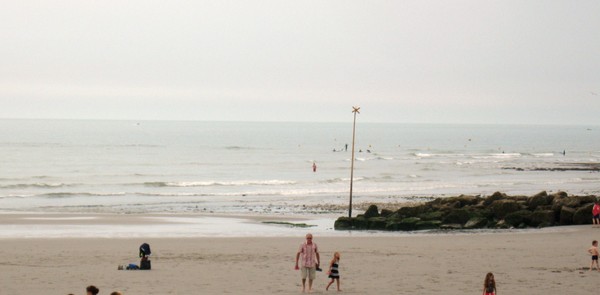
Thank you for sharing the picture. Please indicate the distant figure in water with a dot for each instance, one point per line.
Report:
(314, 167)
(564, 152)
(489, 285)
(346, 148)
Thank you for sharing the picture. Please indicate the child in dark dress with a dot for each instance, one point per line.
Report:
(334, 272)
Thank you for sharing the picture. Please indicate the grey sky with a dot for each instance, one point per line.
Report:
(401, 61)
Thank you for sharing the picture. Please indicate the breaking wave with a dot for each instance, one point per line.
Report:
(37, 185)
(218, 183)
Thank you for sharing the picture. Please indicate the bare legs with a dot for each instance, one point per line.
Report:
(331, 282)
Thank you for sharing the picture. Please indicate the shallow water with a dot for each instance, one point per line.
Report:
(265, 168)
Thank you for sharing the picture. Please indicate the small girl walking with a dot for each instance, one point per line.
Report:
(489, 285)
(333, 272)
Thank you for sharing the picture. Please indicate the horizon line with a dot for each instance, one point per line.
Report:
(292, 121)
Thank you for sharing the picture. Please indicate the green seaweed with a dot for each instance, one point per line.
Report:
(289, 223)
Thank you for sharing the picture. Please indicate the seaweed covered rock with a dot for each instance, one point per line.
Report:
(372, 211)
(476, 222)
(501, 208)
(583, 215)
(405, 224)
(566, 215)
(466, 212)
(377, 223)
(587, 199)
(428, 224)
(560, 194)
(386, 213)
(459, 216)
(435, 215)
(494, 197)
(360, 222)
(451, 226)
(343, 223)
(515, 219)
(540, 199)
(542, 218)
(411, 211)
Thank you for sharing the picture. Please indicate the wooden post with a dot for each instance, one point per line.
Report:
(355, 110)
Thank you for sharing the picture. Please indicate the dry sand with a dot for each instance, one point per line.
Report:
(547, 261)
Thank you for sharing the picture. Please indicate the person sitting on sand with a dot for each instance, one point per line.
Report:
(310, 261)
(92, 290)
(334, 273)
(593, 250)
(596, 214)
(489, 285)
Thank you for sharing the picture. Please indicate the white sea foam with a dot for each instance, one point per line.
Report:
(498, 156)
(260, 166)
(542, 154)
(220, 183)
(36, 185)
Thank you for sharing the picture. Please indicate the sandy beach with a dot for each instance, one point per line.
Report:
(541, 261)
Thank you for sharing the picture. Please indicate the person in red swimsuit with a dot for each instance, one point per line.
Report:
(596, 214)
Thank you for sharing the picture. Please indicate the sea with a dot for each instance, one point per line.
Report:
(104, 166)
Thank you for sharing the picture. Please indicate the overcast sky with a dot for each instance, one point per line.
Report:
(401, 61)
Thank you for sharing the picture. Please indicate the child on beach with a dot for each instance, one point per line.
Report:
(593, 250)
(489, 285)
(334, 272)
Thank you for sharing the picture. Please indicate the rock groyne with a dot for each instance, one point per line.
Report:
(472, 212)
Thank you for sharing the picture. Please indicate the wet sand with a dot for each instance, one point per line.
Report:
(546, 261)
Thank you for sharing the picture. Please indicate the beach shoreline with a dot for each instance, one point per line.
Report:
(535, 261)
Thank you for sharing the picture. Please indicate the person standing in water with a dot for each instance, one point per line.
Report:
(314, 166)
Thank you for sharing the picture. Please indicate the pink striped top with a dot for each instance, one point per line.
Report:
(309, 254)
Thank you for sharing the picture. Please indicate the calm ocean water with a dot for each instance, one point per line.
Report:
(238, 167)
